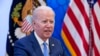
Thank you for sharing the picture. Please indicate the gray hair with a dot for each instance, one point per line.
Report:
(38, 9)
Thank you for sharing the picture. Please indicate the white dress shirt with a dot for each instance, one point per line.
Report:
(40, 41)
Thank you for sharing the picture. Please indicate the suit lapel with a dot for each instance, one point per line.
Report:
(35, 46)
(52, 47)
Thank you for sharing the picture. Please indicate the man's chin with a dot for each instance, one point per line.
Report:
(48, 36)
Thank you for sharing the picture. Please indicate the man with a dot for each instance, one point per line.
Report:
(40, 42)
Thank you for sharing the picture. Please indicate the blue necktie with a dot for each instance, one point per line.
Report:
(45, 49)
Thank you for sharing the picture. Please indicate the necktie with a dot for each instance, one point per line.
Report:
(45, 49)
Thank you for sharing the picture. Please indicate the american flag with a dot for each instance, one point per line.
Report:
(79, 28)
(27, 24)
(96, 27)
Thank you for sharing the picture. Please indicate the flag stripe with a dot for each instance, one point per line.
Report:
(79, 29)
(71, 40)
(76, 26)
(96, 10)
(97, 26)
(80, 20)
(96, 45)
(82, 25)
(83, 12)
(26, 26)
(96, 51)
(68, 44)
(73, 32)
(99, 3)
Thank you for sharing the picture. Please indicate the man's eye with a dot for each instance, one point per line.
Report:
(48, 21)
(51, 21)
(44, 21)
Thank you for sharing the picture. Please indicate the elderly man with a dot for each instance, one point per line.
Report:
(40, 42)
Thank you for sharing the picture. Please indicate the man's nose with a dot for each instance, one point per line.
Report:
(49, 24)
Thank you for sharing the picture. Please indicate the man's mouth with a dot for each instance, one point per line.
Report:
(47, 31)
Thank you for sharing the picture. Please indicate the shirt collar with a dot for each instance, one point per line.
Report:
(40, 41)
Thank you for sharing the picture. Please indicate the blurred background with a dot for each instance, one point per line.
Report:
(77, 24)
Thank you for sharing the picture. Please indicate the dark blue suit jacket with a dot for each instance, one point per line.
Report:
(29, 46)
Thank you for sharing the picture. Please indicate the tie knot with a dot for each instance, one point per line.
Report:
(44, 43)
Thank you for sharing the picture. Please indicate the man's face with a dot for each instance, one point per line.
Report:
(44, 25)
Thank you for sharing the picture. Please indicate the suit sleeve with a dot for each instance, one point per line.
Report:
(19, 49)
(63, 51)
